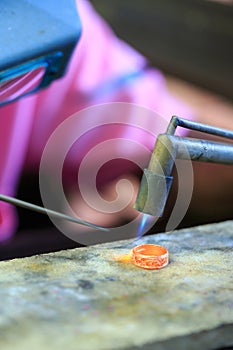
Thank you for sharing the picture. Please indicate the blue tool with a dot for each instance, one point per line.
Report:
(37, 39)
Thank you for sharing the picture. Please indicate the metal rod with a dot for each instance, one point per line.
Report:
(202, 150)
(49, 212)
(156, 181)
(189, 124)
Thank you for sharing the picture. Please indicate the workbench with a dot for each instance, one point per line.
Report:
(84, 299)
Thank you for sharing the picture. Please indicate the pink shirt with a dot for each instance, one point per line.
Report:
(97, 74)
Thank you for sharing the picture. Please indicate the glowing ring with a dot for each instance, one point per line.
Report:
(150, 256)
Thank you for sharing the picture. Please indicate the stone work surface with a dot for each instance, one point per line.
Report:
(84, 299)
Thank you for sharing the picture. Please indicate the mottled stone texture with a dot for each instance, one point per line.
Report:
(84, 299)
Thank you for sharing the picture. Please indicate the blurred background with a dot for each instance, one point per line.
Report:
(191, 42)
(189, 39)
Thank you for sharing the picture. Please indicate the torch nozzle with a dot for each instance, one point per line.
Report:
(156, 180)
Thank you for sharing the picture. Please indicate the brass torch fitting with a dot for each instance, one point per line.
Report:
(156, 181)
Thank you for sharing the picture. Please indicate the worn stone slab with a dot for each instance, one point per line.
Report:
(84, 299)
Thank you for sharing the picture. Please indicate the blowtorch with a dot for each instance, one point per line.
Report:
(157, 180)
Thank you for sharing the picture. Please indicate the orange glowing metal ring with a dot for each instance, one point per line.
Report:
(150, 256)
